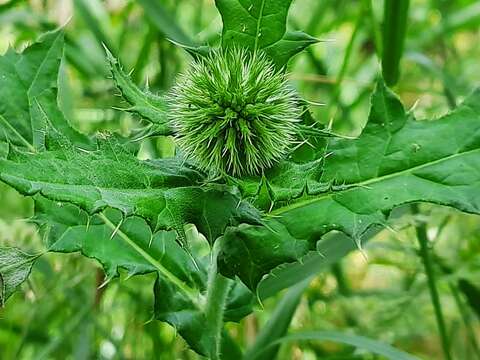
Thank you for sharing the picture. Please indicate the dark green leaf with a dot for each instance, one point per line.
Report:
(71, 229)
(167, 192)
(240, 303)
(29, 82)
(183, 314)
(15, 267)
(330, 249)
(261, 24)
(396, 160)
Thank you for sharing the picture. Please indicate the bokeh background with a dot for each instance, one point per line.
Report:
(380, 292)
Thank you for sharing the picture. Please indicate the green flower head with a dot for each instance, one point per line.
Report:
(234, 112)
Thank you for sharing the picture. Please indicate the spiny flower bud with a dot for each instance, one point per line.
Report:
(234, 113)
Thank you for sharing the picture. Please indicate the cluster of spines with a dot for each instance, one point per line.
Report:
(234, 113)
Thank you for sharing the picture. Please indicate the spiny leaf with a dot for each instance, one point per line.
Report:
(129, 244)
(261, 24)
(168, 193)
(148, 106)
(71, 229)
(395, 161)
(15, 267)
(292, 43)
(330, 249)
(28, 85)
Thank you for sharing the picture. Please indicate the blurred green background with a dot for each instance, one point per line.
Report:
(380, 292)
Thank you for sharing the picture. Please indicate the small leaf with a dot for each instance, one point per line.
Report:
(261, 24)
(15, 267)
(29, 81)
(291, 44)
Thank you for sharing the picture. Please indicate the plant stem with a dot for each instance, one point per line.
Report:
(217, 291)
(421, 231)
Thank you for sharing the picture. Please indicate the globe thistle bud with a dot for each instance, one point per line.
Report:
(234, 113)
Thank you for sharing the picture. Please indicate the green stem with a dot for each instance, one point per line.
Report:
(217, 291)
(421, 231)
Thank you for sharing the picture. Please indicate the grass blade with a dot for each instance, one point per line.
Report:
(266, 346)
(165, 22)
(361, 342)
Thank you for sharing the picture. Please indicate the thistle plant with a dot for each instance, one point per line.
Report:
(234, 113)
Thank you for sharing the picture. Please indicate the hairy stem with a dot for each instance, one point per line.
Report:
(217, 291)
(421, 231)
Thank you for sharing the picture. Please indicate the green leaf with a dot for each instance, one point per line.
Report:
(330, 249)
(292, 43)
(29, 82)
(361, 342)
(175, 308)
(148, 106)
(394, 29)
(167, 193)
(277, 325)
(261, 24)
(396, 160)
(15, 267)
(129, 245)
(240, 303)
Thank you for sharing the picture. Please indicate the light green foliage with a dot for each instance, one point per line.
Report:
(233, 113)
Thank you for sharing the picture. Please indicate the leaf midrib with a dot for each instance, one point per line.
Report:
(98, 188)
(365, 183)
